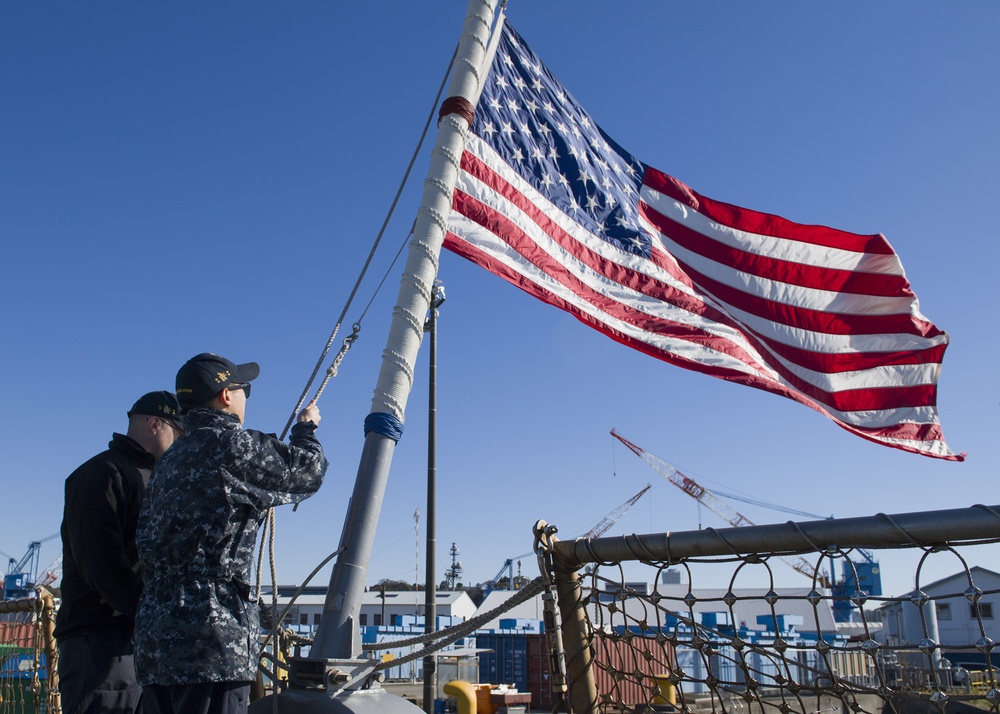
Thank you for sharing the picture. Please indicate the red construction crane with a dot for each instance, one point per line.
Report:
(708, 499)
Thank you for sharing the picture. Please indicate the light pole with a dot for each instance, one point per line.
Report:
(430, 588)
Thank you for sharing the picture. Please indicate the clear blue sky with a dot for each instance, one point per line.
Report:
(183, 177)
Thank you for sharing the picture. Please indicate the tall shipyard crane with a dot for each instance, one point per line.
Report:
(602, 527)
(708, 499)
(22, 573)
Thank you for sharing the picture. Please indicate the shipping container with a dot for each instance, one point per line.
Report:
(610, 656)
(522, 660)
(539, 674)
(507, 660)
(640, 658)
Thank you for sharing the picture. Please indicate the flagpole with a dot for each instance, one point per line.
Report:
(338, 636)
(430, 562)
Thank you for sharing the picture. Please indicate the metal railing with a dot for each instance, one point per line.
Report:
(678, 646)
(28, 656)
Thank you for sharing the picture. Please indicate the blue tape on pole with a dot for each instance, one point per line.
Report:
(384, 424)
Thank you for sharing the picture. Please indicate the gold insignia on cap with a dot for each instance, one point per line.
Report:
(221, 377)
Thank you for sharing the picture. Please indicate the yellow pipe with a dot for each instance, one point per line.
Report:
(666, 692)
(465, 693)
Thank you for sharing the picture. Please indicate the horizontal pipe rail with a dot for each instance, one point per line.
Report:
(927, 528)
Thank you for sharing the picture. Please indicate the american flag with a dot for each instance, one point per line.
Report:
(548, 201)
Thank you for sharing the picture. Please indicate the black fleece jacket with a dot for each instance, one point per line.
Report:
(101, 578)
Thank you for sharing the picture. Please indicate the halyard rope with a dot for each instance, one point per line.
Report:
(441, 638)
(371, 254)
(269, 522)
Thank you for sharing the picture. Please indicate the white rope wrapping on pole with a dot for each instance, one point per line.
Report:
(406, 332)
(338, 636)
(332, 371)
(268, 532)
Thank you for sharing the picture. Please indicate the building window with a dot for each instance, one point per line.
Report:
(316, 618)
(982, 610)
(377, 619)
(943, 610)
(364, 620)
(303, 619)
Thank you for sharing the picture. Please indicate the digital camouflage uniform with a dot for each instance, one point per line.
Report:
(206, 500)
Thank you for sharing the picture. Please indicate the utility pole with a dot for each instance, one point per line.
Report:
(430, 587)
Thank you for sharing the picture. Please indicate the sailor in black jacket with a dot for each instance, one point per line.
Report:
(101, 577)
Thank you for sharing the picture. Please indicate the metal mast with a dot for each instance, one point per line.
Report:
(338, 636)
(333, 677)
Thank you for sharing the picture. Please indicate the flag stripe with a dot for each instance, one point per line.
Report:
(830, 280)
(905, 429)
(780, 250)
(765, 224)
(849, 361)
(550, 203)
(874, 425)
(782, 314)
(560, 267)
(841, 359)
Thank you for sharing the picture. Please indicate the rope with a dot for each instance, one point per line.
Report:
(523, 595)
(457, 632)
(270, 557)
(349, 341)
(445, 637)
(279, 618)
(371, 255)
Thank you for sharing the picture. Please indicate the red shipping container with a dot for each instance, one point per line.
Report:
(19, 634)
(618, 655)
(539, 678)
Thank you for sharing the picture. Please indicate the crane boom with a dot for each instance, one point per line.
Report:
(602, 527)
(616, 515)
(708, 499)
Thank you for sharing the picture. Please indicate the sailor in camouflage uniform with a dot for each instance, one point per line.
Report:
(197, 626)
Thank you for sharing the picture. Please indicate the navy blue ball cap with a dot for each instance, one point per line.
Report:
(159, 404)
(205, 375)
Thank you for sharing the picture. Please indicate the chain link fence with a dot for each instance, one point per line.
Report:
(28, 656)
(754, 649)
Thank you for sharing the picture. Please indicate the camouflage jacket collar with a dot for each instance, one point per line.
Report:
(205, 417)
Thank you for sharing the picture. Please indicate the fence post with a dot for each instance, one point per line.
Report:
(46, 615)
(577, 637)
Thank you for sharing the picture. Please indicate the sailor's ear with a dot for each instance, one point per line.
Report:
(221, 400)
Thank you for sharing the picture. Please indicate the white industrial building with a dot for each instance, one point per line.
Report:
(377, 607)
(953, 616)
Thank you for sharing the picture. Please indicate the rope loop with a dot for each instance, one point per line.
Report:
(457, 105)
(335, 365)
